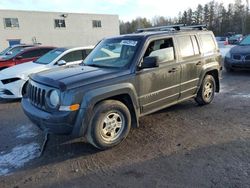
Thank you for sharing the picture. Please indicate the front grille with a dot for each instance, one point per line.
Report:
(237, 57)
(36, 94)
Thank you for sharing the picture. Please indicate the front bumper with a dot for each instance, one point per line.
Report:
(232, 64)
(56, 123)
(12, 90)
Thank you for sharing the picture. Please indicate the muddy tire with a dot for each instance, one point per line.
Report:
(110, 124)
(206, 92)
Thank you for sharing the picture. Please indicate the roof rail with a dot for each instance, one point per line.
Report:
(172, 28)
(199, 27)
(161, 28)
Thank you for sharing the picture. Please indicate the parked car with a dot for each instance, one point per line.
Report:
(105, 96)
(238, 57)
(14, 49)
(222, 41)
(13, 79)
(235, 39)
(23, 56)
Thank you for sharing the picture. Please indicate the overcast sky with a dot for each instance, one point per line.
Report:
(126, 9)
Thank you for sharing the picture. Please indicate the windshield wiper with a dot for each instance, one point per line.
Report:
(94, 65)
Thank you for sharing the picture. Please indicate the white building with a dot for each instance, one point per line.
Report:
(55, 28)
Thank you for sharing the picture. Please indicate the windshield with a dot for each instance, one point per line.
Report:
(50, 56)
(245, 41)
(5, 51)
(12, 51)
(114, 53)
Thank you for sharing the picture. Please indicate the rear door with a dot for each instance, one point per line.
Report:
(159, 87)
(191, 64)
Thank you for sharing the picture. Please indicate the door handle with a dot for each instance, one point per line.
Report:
(199, 63)
(173, 70)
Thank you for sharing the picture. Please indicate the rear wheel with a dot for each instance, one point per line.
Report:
(110, 124)
(206, 92)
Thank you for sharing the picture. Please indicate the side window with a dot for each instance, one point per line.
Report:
(208, 43)
(163, 49)
(73, 56)
(31, 54)
(86, 53)
(195, 45)
(185, 46)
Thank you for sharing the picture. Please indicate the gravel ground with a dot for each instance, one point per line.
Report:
(182, 146)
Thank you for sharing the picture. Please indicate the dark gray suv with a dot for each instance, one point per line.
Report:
(124, 78)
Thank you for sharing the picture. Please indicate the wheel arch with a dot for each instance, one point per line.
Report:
(213, 72)
(124, 93)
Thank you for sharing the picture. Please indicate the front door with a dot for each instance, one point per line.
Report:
(160, 86)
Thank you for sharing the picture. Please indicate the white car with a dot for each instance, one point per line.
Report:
(14, 78)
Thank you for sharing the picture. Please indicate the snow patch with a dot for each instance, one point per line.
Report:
(17, 157)
(242, 95)
(25, 131)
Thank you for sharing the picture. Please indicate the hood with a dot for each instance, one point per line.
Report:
(240, 50)
(23, 69)
(68, 77)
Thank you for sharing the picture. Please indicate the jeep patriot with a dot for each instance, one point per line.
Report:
(122, 79)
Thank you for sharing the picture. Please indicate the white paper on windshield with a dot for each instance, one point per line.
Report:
(129, 42)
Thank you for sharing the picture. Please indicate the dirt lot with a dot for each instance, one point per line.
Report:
(182, 146)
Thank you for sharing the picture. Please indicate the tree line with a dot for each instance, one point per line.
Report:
(219, 18)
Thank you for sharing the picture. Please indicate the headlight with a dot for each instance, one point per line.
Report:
(228, 55)
(10, 80)
(54, 98)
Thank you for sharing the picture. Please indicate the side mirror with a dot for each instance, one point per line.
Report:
(150, 62)
(9, 53)
(19, 57)
(61, 62)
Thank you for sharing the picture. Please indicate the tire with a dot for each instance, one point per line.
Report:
(206, 92)
(110, 124)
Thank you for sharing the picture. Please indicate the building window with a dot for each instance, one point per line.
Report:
(11, 22)
(97, 23)
(59, 23)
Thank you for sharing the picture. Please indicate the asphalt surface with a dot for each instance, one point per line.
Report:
(182, 146)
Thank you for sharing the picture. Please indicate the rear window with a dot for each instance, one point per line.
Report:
(208, 43)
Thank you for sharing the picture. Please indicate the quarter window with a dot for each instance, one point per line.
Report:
(11, 23)
(60, 23)
(208, 43)
(96, 23)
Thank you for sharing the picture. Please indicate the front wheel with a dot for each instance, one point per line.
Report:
(110, 124)
(206, 92)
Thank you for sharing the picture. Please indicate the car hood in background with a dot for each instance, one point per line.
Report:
(240, 49)
(23, 69)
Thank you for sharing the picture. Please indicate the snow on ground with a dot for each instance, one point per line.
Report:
(21, 154)
(242, 95)
(25, 131)
(225, 49)
(17, 157)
